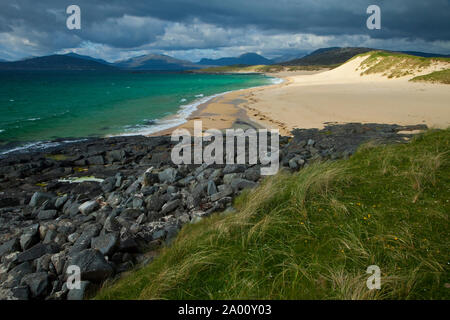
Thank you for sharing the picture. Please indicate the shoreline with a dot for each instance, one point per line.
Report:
(227, 111)
(315, 99)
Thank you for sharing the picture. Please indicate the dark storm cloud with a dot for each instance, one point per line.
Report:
(134, 23)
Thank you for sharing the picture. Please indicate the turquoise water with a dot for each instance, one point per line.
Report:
(41, 106)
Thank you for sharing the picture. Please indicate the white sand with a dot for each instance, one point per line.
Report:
(343, 95)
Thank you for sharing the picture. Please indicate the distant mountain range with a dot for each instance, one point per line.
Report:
(55, 62)
(159, 62)
(156, 62)
(79, 56)
(249, 59)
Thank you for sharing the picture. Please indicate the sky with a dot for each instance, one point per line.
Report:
(194, 29)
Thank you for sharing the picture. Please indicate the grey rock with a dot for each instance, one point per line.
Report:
(43, 263)
(230, 177)
(293, 164)
(159, 234)
(211, 189)
(60, 201)
(105, 243)
(37, 251)
(39, 198)
(141, 219)
(28, 240)
(81, 293)
(116, 155)
(73, 237)
(253, 173)
(130, 214)
(137, 203)
(9, 246)
(227, 191)
(234, 168)
(149, 178)
(96, 160)
(21, 293)
(88, 207)
(114, 199)
(58, 260)
(133, 187)
(128, 244)
(240, 184)
(47, 214)
(17, 273)
(84, 240)
(168, 175)
(37, 282)
(108, 185)
(170, 206)
(111, 225)
(50, 236)
(154, 202)
(93, 265)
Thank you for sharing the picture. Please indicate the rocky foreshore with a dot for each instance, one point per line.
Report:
(107, 205)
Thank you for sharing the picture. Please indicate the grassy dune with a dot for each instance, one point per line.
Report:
(435, 77)
(312, 234)
(395, 65)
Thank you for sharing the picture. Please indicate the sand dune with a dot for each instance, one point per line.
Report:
(343, 95)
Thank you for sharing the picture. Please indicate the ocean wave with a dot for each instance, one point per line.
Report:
(2, 130)
(33, 119)
(173, 121)
(276, 80)
(38, 146)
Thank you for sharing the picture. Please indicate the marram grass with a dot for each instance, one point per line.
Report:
(312, 235)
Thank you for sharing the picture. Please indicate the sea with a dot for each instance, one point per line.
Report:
(42, 109)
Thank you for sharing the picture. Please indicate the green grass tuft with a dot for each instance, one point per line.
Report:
(395, 65)
(435, 77)
(312, 235)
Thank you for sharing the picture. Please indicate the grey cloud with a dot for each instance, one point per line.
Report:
(210, 24)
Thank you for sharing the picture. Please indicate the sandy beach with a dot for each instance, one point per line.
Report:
(342, 95)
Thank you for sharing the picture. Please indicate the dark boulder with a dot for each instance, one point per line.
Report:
(93, 265)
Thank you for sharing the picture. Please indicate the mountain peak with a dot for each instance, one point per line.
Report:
(249, 58)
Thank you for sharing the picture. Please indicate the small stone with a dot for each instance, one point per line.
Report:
(88, 207)
(73, 237)
(211, 188)
(47, 214)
